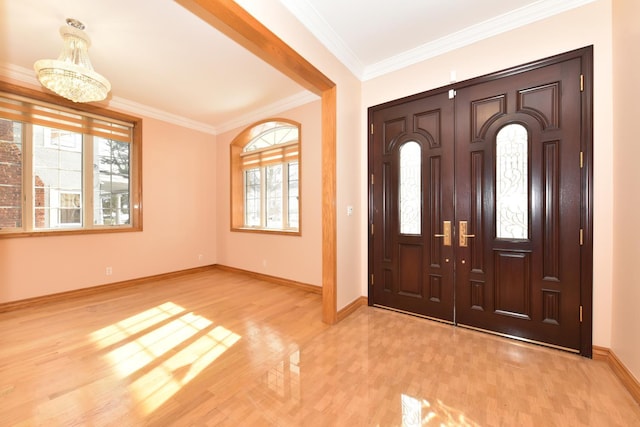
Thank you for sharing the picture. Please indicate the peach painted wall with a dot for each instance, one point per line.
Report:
(179, 193)
(296, 258)
(626, 249)
(587, 25)
(351, 178)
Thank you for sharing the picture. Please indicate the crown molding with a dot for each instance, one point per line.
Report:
(319, 27)
(155, 113)
(301, 98)
(494, 26)
(21, 74)
(27, 76)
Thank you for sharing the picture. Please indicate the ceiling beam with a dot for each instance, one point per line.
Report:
(240, 26)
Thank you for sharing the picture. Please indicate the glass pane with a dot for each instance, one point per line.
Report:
(410, 188)
(10, 174)
(512, 183)
(252, 197)
(293, 195)
(112, 183)
(274, 195)
(271, 133)
(70, 208)
(57, 178)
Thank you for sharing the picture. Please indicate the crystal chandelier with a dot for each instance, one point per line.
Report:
(71, 75)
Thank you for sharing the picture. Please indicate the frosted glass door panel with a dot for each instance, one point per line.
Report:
(410, 188)
(512, 183)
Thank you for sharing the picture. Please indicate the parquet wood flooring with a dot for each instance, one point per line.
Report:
(217, 348)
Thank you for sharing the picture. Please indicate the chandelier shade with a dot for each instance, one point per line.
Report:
(71, 75)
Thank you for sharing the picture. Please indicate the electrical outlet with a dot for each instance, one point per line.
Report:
(109, 271)
(200, 257)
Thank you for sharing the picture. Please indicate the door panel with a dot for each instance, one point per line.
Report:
(524, 283)
(413, 270)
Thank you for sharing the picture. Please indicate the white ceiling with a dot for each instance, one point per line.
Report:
(165, 62)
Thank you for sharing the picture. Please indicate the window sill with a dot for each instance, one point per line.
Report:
(267, 231)
(68, 232)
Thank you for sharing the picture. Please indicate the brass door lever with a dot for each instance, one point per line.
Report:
(446, 236)
(463, 234)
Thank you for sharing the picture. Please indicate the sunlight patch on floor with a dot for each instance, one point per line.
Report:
(162, 349)
(419, 412)
(117, 332)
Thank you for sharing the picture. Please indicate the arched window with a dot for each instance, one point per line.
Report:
(265, 178)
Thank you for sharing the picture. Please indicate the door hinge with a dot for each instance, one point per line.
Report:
(581, 159)
(580, 312)
(372, 281)
(371, 179)
(581, 82)
(452, 93)
(371, 128)
(581, 237)
(372, 229)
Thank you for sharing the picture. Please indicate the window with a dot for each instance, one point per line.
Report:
(66, 168)
(265, 178)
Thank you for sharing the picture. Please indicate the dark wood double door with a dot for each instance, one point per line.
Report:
(479, 203)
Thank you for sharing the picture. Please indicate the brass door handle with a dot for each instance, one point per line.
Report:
(446, 229)
(463, 235)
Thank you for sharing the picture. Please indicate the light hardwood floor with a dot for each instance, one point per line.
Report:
(219, 348)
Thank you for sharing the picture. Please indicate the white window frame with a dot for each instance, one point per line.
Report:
(286, 219)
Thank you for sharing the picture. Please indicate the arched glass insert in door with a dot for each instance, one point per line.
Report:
(512, 182)
(410, 201)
